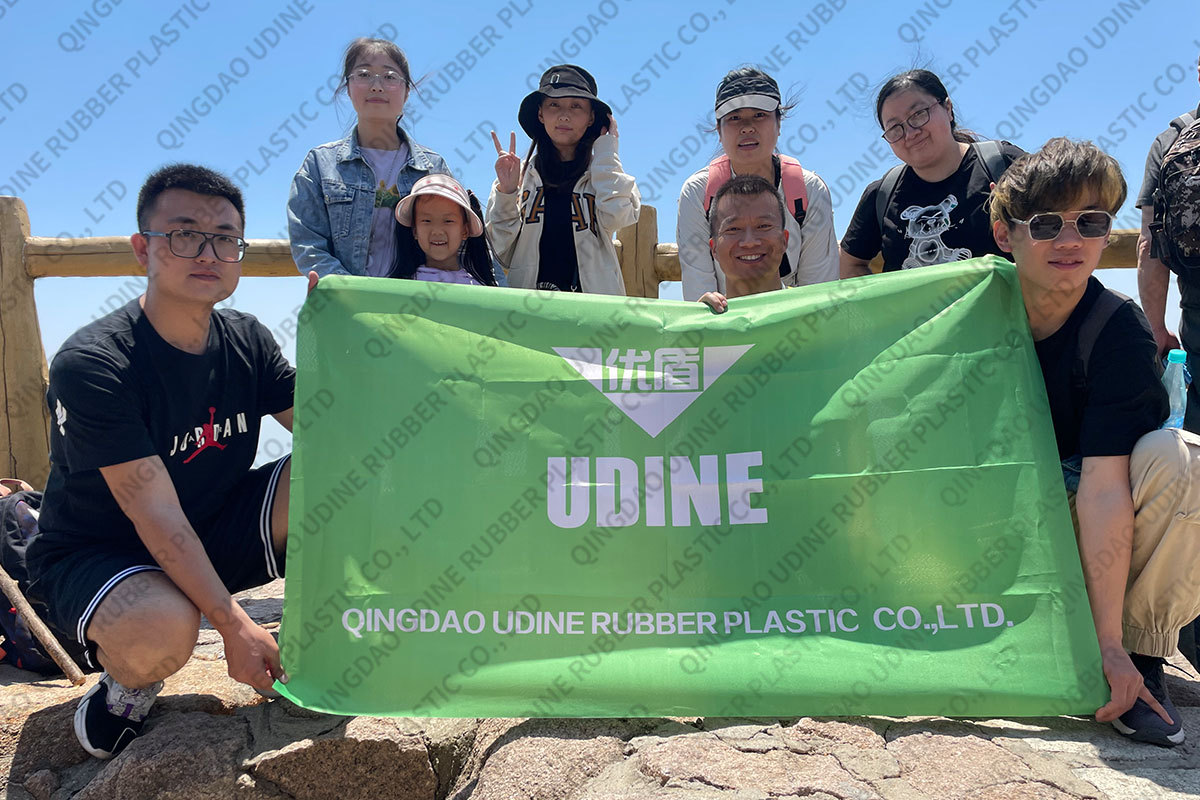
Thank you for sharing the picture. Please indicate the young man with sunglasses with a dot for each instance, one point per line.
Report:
(152, 515)
(1129, 483)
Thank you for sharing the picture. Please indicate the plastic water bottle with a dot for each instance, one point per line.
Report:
(1173, 379)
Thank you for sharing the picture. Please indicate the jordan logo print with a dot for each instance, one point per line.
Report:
(208, 437)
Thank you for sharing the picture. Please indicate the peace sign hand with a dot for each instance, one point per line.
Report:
(508, 165)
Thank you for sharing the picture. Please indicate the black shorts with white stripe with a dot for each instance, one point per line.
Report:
(73, 583)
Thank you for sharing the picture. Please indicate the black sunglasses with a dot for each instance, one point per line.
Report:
(1089, 224)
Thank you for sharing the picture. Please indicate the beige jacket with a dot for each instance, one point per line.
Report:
(608, 199)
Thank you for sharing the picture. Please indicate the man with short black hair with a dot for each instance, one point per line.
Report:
(152, 515)
(748, 238)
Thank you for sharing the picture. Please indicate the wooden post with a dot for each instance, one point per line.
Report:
(627, 258)
(636, 253)
(24, 420)
(647, 241)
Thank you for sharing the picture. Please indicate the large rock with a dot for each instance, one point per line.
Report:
(208, 737)
(354, 762)
(704, 760)
(178, 757)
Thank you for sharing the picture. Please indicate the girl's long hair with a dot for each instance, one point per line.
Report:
(476, 255)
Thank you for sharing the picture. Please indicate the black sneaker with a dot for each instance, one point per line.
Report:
(1141, 723)
(110, 716)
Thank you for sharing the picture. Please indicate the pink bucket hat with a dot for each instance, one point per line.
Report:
(441, 186)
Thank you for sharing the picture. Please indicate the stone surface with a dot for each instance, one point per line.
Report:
(703, 759)
(41, 784)
(209, 737)
(178, 756)
(351, 762)
(544, 768)
(952, 766)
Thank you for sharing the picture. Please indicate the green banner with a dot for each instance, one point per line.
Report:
(842, 499)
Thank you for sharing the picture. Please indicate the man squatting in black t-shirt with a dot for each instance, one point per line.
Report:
(1131, 491)
(152, 515)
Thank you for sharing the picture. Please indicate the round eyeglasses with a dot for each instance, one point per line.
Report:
(916, 120)
(363, 77)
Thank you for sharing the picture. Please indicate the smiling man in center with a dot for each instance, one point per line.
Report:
(748, 239)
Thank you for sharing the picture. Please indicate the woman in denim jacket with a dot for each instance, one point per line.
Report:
(341, 207)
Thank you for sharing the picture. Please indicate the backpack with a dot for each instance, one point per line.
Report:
(18, 524)
(1175, 231)
(1089, 330)
(795, 193)
(989, 155)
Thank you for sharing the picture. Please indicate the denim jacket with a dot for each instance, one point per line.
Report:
(332, 200)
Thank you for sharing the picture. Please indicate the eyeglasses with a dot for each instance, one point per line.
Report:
(391, 79)
(1047, 226)
(190, 244)
(916, 120)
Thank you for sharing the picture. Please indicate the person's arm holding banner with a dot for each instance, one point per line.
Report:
(146, 495)
(1105, 508)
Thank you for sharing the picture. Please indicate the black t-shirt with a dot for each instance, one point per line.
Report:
(558, 263)
(929, 223)
(119, 392)
(1123, 399)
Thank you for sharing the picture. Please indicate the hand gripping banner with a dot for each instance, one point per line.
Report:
(842, 499)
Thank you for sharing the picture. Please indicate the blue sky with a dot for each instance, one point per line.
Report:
(97, 94)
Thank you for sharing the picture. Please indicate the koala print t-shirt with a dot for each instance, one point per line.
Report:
(928, 223)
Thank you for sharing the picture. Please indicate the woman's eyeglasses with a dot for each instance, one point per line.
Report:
(916, 120)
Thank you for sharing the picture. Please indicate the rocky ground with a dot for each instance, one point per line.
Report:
(211, 738)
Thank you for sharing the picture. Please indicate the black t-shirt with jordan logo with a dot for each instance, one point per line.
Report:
(119, 392)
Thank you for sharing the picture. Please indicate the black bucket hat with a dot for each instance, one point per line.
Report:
(564, 80)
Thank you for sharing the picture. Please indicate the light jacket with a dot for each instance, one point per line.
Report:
(607, 197)
(332, 200)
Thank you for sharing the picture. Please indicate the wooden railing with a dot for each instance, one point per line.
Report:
(24, 419)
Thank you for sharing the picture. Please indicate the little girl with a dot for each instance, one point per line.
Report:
(444, 236)
(557, 232)
(341, 205)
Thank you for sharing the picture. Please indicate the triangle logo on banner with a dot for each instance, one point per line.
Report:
(652, 387)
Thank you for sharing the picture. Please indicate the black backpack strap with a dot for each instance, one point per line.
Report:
(1101, 312)
(989, 155)
(992, 158)
(1183, 121)
(883, 196)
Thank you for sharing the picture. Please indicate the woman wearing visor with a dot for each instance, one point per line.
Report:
(749, 112)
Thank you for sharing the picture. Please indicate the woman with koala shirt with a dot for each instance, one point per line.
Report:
(932, 208)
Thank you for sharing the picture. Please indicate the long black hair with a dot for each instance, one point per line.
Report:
(932, 85)
(475, 256)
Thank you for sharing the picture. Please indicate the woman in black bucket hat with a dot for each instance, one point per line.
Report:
(552, 218)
